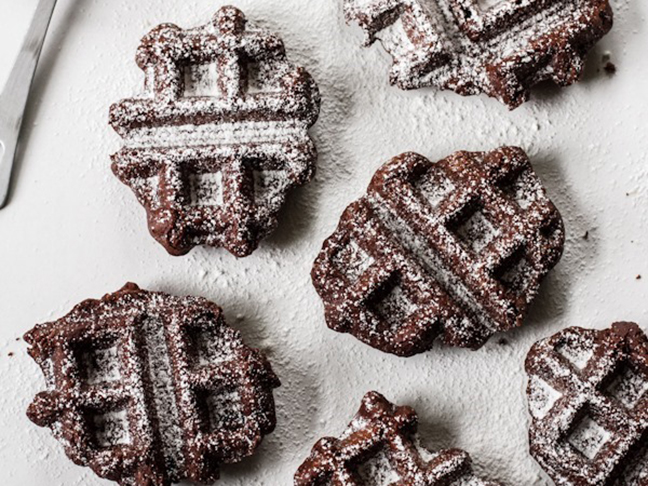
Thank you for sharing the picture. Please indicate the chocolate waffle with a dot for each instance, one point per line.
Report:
(220, 135)
(380, 447)
(458, 247)
(501, 48)
(148, 389)
(588, 399)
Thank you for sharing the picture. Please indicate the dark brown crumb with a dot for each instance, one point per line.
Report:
(10, 354)
(586, 235)
(638, 277)
(610, 68)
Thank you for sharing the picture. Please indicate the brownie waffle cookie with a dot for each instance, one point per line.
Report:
(588, 399)
(380, 447)
(500, 48)
(219, 136)
(148, 389)
(457, 247)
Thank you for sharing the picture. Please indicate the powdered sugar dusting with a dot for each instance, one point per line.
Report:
(381, 448)
(588, 437)
(475, 46)
(224, 408)
(628, 387)
(162, 388)
(111, 428)
(206, 189)
(525, 189)
(434, 186)
(592, 424)
(201, 80)
(219, 98)
(542, 397)
(576, 352)
(100, 365)
(586, 144)
(353, 260)
(378, 471)
(477, 231)
(463, 253)
(395, 307)
(184, 379)
(486, 4)
(433, 263)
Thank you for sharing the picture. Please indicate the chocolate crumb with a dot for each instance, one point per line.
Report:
(10, 354)
(610, 68)
(586, 235)
(638, 277)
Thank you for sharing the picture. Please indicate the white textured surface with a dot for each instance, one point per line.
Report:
(73, 231)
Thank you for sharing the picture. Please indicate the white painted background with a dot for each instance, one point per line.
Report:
(73, 231)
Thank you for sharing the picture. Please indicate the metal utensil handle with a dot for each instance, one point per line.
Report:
(13, 99)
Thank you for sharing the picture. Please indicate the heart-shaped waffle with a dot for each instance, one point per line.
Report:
(500, 48)
(380, 447)
(458, 248)
(220, 135)
(148, 389)
(588, 399)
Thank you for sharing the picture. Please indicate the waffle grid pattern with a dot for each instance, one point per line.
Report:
(380, 427)
(500, 50)
(222, 102)
(457, 247)
(594, 430)
(148, 452)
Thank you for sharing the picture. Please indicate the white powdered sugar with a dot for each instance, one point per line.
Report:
(224, 409)
(456, 44)
(417, 245)
(269, 188)
(477, 231)
(71, 230)
(486, 4)
(249, 132)
(206, 189)
(434, 187)
(593, 419)
(395, 307)
(588, 437)
(162, 386)
(201, 80)
(542, 397)
(576, 352)
(101, 365)
(378, 471)
(111, 428)
(628, 387)
(525, 189)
